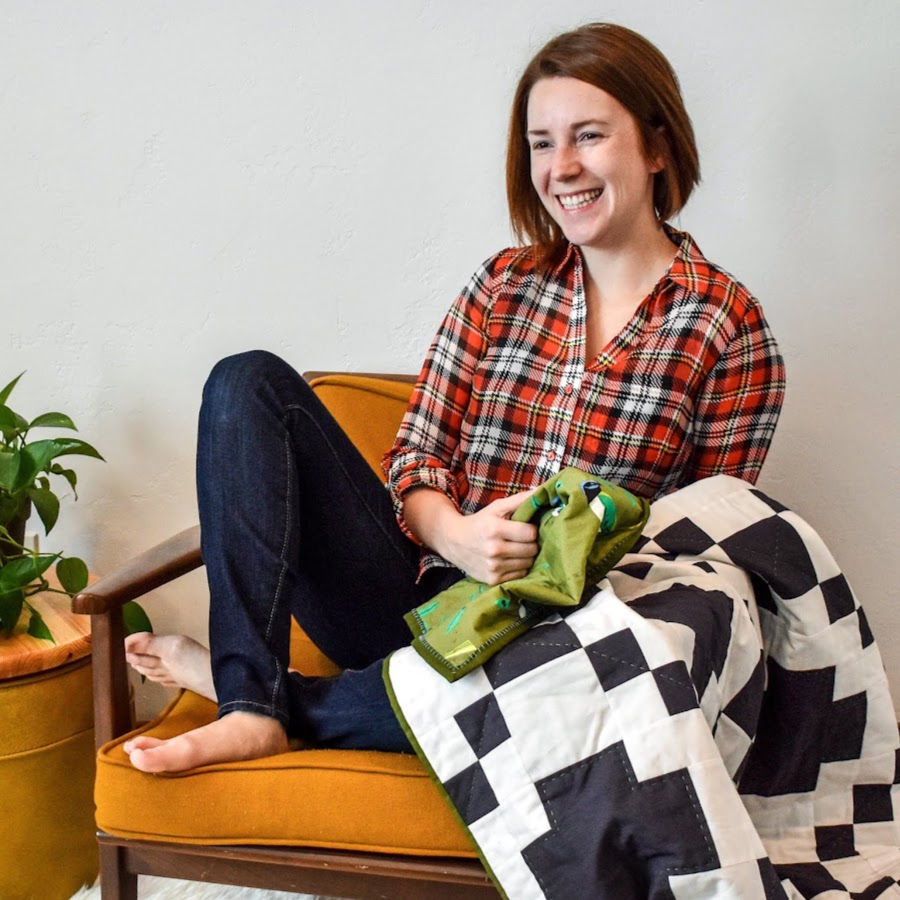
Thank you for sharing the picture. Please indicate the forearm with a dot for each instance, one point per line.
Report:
(487, 545)
(431, 515)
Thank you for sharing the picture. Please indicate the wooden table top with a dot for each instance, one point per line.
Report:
(21, 654)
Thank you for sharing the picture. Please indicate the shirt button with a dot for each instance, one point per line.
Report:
(551, 455)
(568, 390)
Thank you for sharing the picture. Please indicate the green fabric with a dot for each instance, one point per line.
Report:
(585, 526)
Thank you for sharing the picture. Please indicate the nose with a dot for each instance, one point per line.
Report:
(566, 164)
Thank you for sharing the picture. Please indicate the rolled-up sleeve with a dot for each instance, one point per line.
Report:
(425, 452)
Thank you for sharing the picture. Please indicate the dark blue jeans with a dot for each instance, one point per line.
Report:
(295, 522)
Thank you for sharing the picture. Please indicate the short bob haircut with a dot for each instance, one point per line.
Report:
(631, 69)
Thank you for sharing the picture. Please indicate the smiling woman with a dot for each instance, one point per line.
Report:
(595, 179)
(608, 344)
(610, 153)
(589, 166)
(636, 79)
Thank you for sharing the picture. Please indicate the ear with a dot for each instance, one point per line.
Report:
(657, 157)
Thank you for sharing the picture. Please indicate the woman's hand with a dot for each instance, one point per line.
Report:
(486, 545)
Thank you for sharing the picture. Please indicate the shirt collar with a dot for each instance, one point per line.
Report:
(686, 260)
(683, 269)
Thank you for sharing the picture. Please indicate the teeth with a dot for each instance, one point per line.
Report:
(574, 201)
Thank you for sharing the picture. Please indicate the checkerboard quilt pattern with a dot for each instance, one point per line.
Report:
(714, 722)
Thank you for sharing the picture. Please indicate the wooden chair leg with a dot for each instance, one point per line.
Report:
(116, 882)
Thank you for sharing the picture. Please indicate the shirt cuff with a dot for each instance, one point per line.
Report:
(425, 477)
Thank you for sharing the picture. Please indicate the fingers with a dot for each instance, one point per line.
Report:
(503, 552)
(504, 528)
(506, 506)
(488, 545)
(502, 571)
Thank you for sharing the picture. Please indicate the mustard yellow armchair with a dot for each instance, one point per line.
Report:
(353, 824)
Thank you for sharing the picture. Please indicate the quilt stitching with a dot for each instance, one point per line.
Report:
(814, 776)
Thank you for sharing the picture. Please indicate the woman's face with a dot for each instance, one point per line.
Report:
(588, 163)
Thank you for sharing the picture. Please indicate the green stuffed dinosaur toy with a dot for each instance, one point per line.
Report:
(585, 526)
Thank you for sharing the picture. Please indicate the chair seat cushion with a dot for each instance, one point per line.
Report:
(347, 799)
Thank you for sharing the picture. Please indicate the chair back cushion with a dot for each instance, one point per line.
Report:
(368, 408)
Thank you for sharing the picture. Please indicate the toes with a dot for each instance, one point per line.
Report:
(173, 755)
(142, 660)
(147, 666)
(142, 742)
(138, 642)
(148, 761)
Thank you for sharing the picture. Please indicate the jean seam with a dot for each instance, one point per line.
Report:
(284, 541)
(276, 600)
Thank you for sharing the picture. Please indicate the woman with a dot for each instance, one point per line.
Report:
(608, 343)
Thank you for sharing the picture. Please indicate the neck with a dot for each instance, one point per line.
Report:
(629, 268)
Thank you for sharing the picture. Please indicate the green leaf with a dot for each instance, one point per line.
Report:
(72, 574)
(10, 610)
(4, 394)
(53, 420)
(135, 618)
(37, 627)
(47, 505)
(68, 474)
(10, 463)
(17, 573)
(14, 426)
(8, 422)
(43, 451)
(37, 456)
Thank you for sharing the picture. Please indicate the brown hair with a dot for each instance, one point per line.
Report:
(631, 69)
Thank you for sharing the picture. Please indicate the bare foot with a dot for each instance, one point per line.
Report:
(174, 660)
(236, 736)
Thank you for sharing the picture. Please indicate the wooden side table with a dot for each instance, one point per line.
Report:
(48, 845)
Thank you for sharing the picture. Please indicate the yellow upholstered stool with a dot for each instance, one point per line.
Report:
(47, 833)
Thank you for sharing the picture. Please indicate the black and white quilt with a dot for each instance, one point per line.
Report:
(714, 723)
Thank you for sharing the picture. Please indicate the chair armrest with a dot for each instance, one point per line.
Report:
(155, 567)
(103, 601)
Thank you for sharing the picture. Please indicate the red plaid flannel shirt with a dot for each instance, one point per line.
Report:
(691, 387)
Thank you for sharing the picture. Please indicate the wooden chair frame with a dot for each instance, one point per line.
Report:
(338, 873)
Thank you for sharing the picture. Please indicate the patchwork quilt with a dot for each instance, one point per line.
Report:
(714, 722)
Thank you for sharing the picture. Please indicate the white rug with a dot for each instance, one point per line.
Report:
(152, 888)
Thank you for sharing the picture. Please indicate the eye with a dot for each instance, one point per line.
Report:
(540, 145)
(590, 136)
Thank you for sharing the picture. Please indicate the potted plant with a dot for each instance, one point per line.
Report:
(26, 467)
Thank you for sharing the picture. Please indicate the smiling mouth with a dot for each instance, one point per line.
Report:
(576, 201)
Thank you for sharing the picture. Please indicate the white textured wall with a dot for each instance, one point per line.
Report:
(181, 180)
